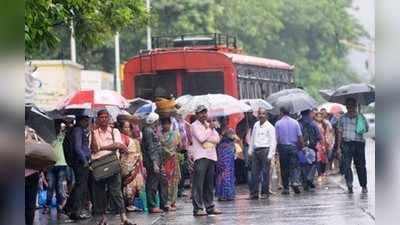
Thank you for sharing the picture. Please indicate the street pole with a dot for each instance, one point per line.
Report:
(148, 27)
(72, 43)
(117, 82)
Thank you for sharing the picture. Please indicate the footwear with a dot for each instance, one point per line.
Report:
(253, 197)
(264, 196)
(128, 222)
(214, 211)
(296, 189)
(350, 190)
(172, 209)
(364, 190)
(155, 210)
(285, 191)
(311, 185)
(79, 217)
(199, 213)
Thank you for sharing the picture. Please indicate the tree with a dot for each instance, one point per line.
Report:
(95, 21)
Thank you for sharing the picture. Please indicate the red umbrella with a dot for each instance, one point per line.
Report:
(93, 99)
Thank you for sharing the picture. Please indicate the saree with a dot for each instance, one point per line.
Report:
(225, 167)
(169, 142)
(132, 161)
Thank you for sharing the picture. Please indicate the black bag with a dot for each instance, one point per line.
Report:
(106, 166)
(39, 155)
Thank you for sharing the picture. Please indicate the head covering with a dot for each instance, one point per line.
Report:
(200, 108)
(152, 117)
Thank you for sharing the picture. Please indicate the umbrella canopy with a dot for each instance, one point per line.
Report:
(114, 111)
(93, 99)
(326, 93)
(136, 103)
(274, 96)
(145, 110)
(333, 108)
(40, 122)
(217, 105)
(364, 94)
(296, 102)
(257, 103)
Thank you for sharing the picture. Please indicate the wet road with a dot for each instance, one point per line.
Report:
(328, 204)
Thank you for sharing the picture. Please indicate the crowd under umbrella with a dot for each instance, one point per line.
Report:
(41, 122)
(295, 102)
(257, 103)
(217, 105)
(272, 98)
(363, 93)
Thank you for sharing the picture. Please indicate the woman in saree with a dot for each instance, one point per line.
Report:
(225, 167)
(131, 165)
(325, 129)
(170, 141)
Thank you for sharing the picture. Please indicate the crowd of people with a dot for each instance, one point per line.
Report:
(104, 165)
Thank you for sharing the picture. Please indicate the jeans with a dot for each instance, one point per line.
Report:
(308, 174)
(354, 150)
(203, 184)
(290, 166)
(56, 176)
(260, 167)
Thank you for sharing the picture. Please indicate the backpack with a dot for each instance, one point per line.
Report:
(68, 147)
(310, 135)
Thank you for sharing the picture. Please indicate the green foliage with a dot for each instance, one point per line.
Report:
(95, 21)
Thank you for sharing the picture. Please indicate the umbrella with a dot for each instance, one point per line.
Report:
(93, 99)
(114, 112)
(326, 93)
(364, 94)
(296, 102)
(136, 103)
(38, 120)
(145, 110)
(217, 105)
(333, 108)
(272, 98)
(257, 103)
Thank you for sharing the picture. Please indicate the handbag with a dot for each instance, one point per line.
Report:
(361, 124)
(106, 166)
(39, 155)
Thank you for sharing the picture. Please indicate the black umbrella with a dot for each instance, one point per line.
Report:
(296, 102)
(42, 123)
(136, 103)
(274, 97)
(364, 94)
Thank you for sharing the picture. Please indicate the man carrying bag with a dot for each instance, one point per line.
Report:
(106, 169)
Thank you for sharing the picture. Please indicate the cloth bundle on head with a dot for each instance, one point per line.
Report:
(152, 117)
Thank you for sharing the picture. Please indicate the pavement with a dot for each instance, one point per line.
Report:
(328, 204)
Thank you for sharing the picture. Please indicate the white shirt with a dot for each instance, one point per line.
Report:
(263, 136)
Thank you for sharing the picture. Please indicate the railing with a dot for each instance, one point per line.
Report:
(192, 40)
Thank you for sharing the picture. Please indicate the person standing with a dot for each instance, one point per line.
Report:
(261, 149)
(204, 139)
(80, 165)
(57, 174)
(312, 138)
(353, 145)
(105, 141)
(289, 137)
(170, 141)
(324, 145)
(156, 179)
(225, 167)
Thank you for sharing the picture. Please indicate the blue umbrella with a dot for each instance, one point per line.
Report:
(145, 110)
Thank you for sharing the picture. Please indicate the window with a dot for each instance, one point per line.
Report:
(160, 85)
(200, 83)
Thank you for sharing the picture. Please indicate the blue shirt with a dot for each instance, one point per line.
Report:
(81, 143)
(288, 131)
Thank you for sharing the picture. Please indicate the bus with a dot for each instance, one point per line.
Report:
(202, 64)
